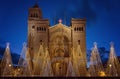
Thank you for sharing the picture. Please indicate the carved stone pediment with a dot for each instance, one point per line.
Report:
(60, 29)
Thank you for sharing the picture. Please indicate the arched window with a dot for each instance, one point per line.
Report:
(31, 48)
(31, 15)
(33, 27)
(37, 28)
(40, 28)
(79, 42)
(44, 29)
(41, 42)
(36, 15)
(75, 29)
(82, 28)
(79, 28)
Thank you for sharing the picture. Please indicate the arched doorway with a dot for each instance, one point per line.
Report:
(59, 68)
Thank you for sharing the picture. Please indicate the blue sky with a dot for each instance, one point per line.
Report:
(103, 20)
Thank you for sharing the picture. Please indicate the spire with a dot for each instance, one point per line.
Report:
(36, 4)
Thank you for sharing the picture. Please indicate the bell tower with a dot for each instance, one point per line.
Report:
(79, 36)
(37, 30)
(79, 33)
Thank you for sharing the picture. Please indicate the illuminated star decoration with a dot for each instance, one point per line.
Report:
(60, 20)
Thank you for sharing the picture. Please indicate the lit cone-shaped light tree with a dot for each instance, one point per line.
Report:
(38, 61)
(22, 60)
(75, 63)
(96, 66)
(81, 62)
(24, 63)
(47, 68)
(22, 55)
(113, 65)
(70, 70)
(6, 64)
(27, 66)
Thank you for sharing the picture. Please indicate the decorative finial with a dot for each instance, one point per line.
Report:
(60, 20)
(36, 4)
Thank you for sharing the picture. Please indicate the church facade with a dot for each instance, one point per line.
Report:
(58, 39)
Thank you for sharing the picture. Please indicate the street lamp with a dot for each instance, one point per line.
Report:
(110, 65)
(9, 65)
(18, 69)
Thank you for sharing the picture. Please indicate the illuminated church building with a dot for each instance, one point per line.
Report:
(59, 40)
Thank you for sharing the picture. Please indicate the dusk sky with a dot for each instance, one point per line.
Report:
(103, 20)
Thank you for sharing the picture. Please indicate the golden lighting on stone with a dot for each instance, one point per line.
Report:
(110, 65)
(102, 73)
(9, 65)
(18, 69)
(59, 39)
